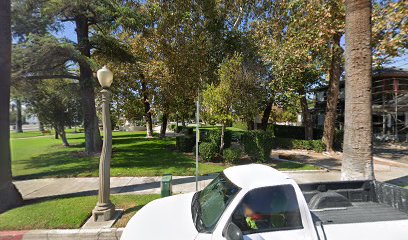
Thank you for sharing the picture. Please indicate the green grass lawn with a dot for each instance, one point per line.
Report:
(68, 212)
(133, 155)
(26, 134)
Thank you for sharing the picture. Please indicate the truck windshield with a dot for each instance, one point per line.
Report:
(209, 204)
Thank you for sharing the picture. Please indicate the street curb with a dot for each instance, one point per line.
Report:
(390, 162)
(322, 168)
(54, 234)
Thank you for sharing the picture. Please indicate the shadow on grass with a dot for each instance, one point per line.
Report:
(131, 152)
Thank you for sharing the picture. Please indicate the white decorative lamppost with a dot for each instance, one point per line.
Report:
(104, 209)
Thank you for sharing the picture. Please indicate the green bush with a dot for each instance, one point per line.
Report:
(172, 127)
(231, 154)
(295, 132)
(185, 143)
(208, 151)
(187, 131)
(178, 129)
(258, 144)
(214, 135)
(289, 143)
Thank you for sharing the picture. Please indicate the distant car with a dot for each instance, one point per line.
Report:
(258, 202)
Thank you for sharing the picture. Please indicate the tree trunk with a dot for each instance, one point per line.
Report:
(148, 114)
(266, 114)
(307, 118)
(332, 93)
(250, 125)
(9, 195)
(19, 118)
(61, 132)
(222, 142)
(56, 136)
(93, 141)
(40, 126)
(357, 146)
(164, 125)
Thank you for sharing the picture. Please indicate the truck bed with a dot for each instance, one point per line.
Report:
(371, 201)
(360, 212)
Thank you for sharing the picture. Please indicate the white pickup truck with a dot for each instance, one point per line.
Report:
(258, 202)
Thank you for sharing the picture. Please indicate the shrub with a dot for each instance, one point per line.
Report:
(178, 129)
(187, 131)
(185, 143)
(231, 154)
(172, 127)
(214, 135)
(258, 144)
(289, 143)
(295, 132)
(208, 151)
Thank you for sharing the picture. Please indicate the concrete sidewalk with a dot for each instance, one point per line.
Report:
(66, 187)
(60, 234)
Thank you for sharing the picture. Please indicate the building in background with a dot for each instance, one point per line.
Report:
(389, 102)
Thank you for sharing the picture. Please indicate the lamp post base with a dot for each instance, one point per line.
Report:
(103, 212)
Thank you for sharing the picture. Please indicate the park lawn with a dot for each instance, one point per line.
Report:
(66, 213)
(133, 155)
(26, 134)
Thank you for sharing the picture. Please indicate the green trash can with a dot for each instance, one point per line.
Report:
(166, 185)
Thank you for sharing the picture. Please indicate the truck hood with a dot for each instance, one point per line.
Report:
(167, 218)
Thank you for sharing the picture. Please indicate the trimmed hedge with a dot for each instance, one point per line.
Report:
(258, 144)
(289, 143)
(185, 143)
(188, 131)
(208, 151)
(214, 135)
(296, 132)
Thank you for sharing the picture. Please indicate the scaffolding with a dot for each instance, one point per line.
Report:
(390, 104)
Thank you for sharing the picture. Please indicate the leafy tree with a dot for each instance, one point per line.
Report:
(236, 95)
(54, 55)
(390, 33)
(56, 103)
(290, 42)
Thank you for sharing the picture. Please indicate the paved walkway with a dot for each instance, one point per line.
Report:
(65, 187)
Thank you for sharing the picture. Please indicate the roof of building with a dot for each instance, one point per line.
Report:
(255, 175)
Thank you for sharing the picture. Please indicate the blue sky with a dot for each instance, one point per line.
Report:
(69, 32)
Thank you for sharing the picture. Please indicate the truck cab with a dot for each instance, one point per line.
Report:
(258, 202)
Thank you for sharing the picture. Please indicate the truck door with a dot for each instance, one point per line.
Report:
(270, 213)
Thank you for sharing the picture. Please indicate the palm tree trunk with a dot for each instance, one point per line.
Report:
(93, 141)
(357, 147)
(9, 195)
(332, 93)
(19, 117)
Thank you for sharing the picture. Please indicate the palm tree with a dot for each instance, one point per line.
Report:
(357, 146)
(9, 195)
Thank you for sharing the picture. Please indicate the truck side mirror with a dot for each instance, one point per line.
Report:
(232, 232)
